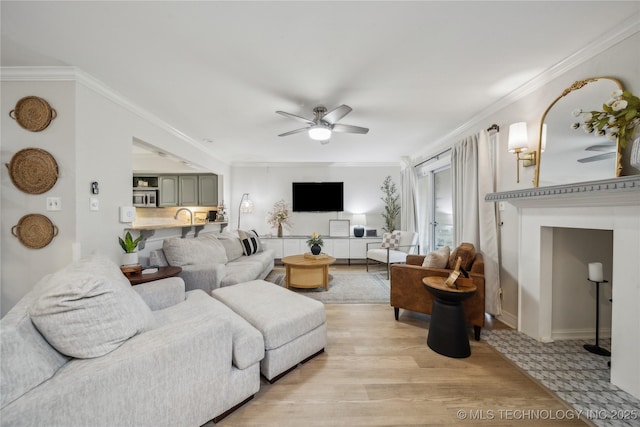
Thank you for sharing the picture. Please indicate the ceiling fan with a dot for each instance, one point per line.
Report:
(608, 147)
(324, 123)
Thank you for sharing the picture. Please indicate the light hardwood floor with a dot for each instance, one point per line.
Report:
(377, 371)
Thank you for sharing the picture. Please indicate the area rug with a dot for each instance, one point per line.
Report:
(345, 288)
(573, 374)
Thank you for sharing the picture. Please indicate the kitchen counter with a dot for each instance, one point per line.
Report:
(173, 225)
(147, 230)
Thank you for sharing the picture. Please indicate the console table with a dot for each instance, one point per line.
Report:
(162, 273)
(349, 248)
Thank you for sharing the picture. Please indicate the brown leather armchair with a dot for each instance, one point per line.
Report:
(408, 292)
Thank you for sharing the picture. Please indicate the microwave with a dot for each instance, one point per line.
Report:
(145, 198)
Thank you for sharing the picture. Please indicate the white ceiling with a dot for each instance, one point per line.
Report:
(412, 71)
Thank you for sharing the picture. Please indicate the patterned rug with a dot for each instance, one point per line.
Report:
(573, 374)
(345, 288)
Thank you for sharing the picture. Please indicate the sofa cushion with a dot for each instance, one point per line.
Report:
(232, 245)
(279, 314)
(205, 249)
(390, 240)
(89, 309)
(248, 268)
(250, 242)
(247, 342)
(26, 359)
(438, 258)
(467, 252)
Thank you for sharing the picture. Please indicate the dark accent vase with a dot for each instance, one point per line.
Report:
(315, 249)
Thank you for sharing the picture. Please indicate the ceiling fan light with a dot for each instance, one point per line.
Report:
(319, 133)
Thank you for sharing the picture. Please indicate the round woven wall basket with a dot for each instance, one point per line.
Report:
(33, 113)
(35, 231)
(33, 170)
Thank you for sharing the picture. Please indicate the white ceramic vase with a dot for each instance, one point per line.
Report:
(130, 259)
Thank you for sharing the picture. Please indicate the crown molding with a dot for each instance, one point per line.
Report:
(315, 164)
(626, 29)
(58, 74)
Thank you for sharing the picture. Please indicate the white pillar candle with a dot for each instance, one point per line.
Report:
(595, 272)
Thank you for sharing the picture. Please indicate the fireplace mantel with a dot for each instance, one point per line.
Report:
(622, 191)
(612, 204)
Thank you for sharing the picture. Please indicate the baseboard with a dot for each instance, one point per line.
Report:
(579, 334)
(508, 319)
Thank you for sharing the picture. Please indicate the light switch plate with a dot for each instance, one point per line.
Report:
(127, 213)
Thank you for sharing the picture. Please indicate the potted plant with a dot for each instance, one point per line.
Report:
(129, 246)
(391, 206)
(315, 243)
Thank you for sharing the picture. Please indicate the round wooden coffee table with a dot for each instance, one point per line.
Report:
(307, 271)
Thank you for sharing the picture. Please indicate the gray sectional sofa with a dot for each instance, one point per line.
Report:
(85, 348)
(212, 261)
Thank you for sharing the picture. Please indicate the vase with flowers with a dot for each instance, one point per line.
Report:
(617, 120)
(279, 216)
(315, 243)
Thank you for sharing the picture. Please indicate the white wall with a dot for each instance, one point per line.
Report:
(91, 140)
(617, 61)
(22, 266)
(266, 184)
(573, 296)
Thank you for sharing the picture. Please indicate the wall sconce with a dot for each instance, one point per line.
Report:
(246, 206)
(359, 221)
(518, 143)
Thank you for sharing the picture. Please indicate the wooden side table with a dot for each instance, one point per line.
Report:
(162, 273)
(448, 326)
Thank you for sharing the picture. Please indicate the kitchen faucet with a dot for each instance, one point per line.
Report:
(190, 214)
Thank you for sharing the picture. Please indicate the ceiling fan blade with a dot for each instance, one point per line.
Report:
(597, 158)
(349, 129)
(293, 116)
(601, 147)
(293, 132)
(336, 114)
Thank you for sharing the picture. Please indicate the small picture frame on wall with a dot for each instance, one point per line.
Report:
(339, 227)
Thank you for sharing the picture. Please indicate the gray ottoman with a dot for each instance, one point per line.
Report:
(293, 326)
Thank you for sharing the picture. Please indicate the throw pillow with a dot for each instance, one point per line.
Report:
(232, 245)
(390, 240)
(90, 309)
(467, 252)
(438, 258)
(204, 249)
(250, 242)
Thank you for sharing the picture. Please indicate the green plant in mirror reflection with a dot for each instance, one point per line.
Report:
(620, 116)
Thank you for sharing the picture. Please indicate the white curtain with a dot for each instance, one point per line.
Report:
(474, 220)
(408, 197)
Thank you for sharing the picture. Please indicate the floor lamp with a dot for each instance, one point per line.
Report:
(595, 276)
(246, 206)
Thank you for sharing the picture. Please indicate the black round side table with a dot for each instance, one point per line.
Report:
(448, 326)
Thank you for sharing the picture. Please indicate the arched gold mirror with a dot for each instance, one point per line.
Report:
(571, 155)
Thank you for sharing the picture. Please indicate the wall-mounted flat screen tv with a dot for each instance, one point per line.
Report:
(318, 196)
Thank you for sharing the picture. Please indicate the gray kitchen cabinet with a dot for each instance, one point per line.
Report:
(168, 185)
(208, 190)
(188, 190)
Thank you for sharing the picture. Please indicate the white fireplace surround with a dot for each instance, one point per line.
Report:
(612, 204)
